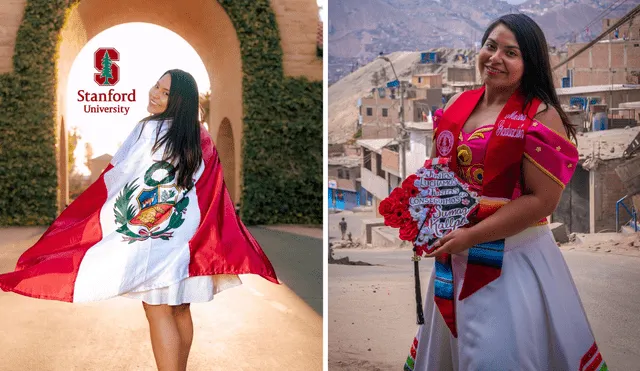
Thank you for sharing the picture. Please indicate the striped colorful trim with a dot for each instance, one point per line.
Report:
(443, 281)
(411, 359)
(443, 291)
(592, 360)
(487, 254)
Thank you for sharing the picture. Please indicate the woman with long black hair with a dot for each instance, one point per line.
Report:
(157, 226)
(501, 296)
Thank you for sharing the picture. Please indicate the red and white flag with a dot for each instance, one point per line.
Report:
(134, 230)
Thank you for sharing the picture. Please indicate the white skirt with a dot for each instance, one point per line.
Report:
(198, 289)
(530, 318)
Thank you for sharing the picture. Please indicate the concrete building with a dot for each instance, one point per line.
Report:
(457, 74)
(420, 143)
(379, 176)
(427, 80)
(381, 173)
(345, 189)
(377, 114)
(595, 187)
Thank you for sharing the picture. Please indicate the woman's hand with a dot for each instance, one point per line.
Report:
(453, 243)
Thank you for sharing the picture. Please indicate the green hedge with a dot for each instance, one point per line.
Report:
(282, 146)
(283, 174)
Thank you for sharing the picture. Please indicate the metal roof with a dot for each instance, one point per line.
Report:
(576, 90)
(345, 161)
(605, 144)
(376, 145)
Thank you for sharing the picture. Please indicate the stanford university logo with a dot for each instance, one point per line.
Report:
(108, 72)
(445, 143)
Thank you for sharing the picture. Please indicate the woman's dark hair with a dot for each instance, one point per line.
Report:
(537, 79)
(182, 139)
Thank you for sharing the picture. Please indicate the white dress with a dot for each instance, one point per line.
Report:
(529, 319)
(198, 289)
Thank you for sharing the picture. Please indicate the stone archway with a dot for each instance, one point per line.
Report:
(225, 146)
(204, 24)
(252, 52)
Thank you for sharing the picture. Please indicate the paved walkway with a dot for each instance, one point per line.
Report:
(257, 326)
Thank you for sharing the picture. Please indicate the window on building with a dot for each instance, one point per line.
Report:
(385, 112)
(369, 111)
(346, 174)
(366, 159)
(340, 174)
(419, 80)
(379, 171)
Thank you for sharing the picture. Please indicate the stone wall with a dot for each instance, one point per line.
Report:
(298, 23)
(11, 13)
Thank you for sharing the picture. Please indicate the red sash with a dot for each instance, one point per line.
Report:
(502, 171)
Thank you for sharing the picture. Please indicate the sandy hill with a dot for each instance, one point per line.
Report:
(344, 94)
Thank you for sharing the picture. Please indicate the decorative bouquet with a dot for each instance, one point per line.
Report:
(429, 204)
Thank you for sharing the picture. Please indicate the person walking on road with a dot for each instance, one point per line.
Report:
(343, 227)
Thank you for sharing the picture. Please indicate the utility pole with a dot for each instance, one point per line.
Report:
(402, 132)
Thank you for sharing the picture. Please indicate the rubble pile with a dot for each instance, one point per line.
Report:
(345, 260)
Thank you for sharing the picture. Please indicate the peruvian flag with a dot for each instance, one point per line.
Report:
(134, 230)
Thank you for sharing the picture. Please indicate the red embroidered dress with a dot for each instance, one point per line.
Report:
(508, 304)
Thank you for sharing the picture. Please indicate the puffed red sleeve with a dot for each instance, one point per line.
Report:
(551, 152)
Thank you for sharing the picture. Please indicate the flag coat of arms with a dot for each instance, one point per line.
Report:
(135, 230)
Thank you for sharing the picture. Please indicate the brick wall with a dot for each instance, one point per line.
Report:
(427, 81)
(374, 131)
(561, 72)
(633, 54)
(606, 63)
(377, 105)
(391, 160)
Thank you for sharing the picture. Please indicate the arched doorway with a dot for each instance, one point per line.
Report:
(205, 25)
(224, 144)
(253, 53)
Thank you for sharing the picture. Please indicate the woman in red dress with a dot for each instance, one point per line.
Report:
(501, 296)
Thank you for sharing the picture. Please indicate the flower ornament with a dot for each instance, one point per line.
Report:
(429, 204)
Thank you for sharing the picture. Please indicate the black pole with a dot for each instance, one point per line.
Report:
(416, 274)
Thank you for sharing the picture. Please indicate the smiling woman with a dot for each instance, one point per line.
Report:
(159, 95)
(501, 296)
